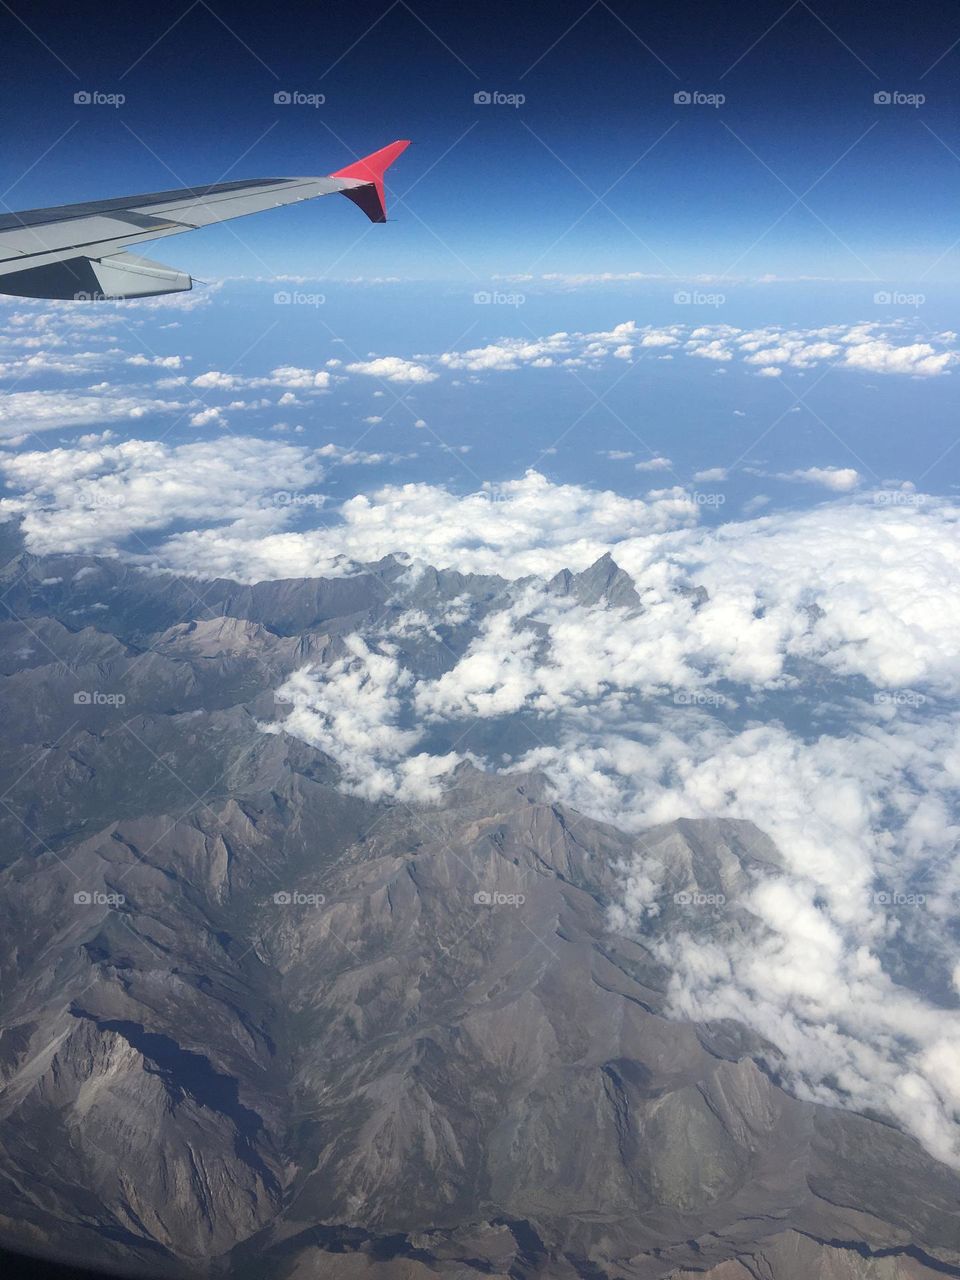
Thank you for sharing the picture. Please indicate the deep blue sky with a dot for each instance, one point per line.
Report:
(514, 193)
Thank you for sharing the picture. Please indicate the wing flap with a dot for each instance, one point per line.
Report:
(81, 278)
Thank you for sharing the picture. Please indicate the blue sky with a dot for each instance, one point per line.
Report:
(503, 189)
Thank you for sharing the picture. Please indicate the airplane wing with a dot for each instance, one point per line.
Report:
(77, 251)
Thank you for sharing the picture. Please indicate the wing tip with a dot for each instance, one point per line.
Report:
(370, 170)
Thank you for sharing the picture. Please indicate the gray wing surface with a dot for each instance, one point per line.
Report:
(78, 251)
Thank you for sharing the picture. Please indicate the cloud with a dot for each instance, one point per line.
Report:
(839, 479)
(524, 526)
(350, 710)
(155, 362)
(393, 369)
(919, 359)
(94, 498)
(25, 411)
(654, 464)
(870, 347)
(206, 418)
(286, 376)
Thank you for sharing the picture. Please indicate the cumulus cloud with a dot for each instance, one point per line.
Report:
(524, 526)
(25, 411)
(393, 369)
(94, 497)
(350, 710)
(871, 347)
(919, 359)
(838, 479)
(285, 376)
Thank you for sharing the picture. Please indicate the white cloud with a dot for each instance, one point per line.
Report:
(524, 526)
(287, 376)
(207, 418)
(350, 710)
(920, 359)
(839, 479)
(155, 362)
(46, 410)
(393, 369)
(93, 498)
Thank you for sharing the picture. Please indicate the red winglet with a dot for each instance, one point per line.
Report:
(371, 170)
